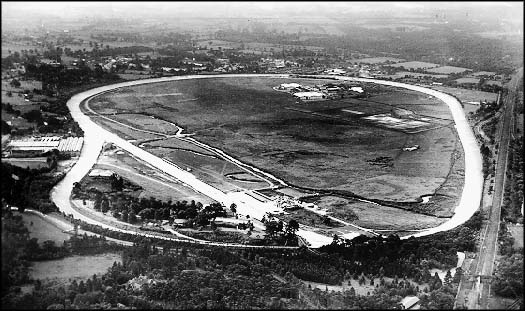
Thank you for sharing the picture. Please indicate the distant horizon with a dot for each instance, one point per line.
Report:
(71, 10)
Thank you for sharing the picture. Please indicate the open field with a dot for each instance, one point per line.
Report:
(19, 102)
(517, 233)
(247, 119)
(467, 81)
(415, 65)
(74, 267)
(44, 230)
(153, 182)
(308, 218)
(32, 163)
(17, 47)
(403, 74)
(211, 169)
(145, 122)
(466, 96)
(176, 143)
(448, 70)
(124, 131)
(378, 60)
(24, 85)
(374, 216)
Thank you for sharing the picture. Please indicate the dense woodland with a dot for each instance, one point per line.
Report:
(233, 278)
(28, 188)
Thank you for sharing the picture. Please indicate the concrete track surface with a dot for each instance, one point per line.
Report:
(95, 136)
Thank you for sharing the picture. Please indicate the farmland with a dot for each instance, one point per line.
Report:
(448, 70)
(313, 145)
(415, 65)
(378, 60)
(403, 74)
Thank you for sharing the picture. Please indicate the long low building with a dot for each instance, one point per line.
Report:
(43, 144)
(309, 95)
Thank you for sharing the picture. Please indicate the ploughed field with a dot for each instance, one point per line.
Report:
(348, 144)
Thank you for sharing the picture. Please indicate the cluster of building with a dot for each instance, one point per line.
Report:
(324, 91)
(34, 146)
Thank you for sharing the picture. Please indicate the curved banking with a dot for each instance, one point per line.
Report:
(95, 136)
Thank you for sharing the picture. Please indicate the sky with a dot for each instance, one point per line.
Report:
(71, 9)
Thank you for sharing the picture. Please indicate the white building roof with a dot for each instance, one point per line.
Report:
(409, 301)
(100, 172)
(290, 85)
(308, 94)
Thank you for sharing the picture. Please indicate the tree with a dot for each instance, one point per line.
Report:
(458, 275)
(6, 128)
(104, 205)
(233, 208)
(448, 277)
(117, 182)
(272, 229)
(291, 229)
(15, 83)
(132, 217)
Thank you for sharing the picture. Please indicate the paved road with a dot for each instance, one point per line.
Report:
(95, 136)
(489, 238)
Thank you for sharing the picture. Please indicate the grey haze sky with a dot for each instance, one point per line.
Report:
(246, 9)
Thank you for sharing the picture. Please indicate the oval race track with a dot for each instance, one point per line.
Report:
(95, 136)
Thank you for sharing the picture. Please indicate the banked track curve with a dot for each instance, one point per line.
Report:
(95, 136)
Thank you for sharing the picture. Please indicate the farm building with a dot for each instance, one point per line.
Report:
(309, 95)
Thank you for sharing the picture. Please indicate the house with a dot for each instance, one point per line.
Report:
(309, 95)
(410, 303)
(181, 222)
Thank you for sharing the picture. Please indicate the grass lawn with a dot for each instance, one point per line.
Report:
(517, 234)
(153, 182)
(74, 267)
(249, 120)
(374, 216)
(145, 122)
(448, 70)
(466, 95)
(378, 60)
(44, 230)
(415, 65)
(32, 163)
